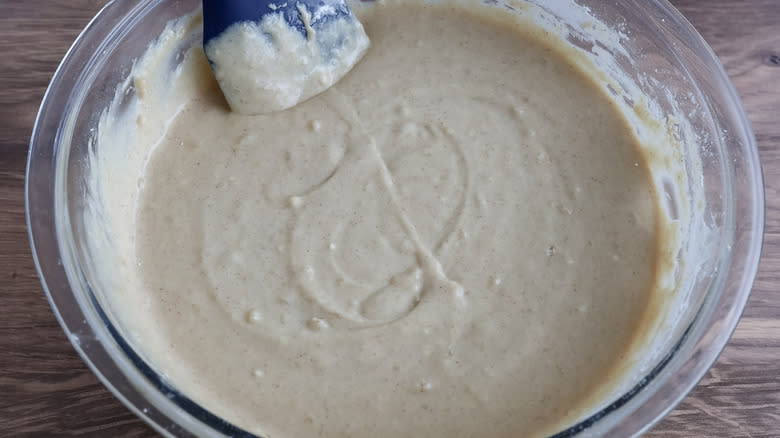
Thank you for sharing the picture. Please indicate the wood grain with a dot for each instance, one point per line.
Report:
(47, 391)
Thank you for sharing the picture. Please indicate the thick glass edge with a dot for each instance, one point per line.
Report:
(730, 306)
(53, 105)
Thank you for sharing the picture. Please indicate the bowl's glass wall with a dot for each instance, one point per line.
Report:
(668, 60)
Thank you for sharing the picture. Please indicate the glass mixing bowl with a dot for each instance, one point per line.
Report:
(668, 59)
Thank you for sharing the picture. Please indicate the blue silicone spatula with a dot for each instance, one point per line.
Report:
(269, 55)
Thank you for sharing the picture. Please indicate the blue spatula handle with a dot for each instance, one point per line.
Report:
(218, 15)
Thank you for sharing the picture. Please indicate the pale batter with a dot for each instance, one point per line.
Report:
(459, 239)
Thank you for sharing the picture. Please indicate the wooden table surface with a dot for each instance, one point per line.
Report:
(46, 390)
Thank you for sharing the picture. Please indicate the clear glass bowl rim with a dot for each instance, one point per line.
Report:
(194, 419)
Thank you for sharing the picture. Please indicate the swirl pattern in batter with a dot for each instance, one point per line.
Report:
(458, 239)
